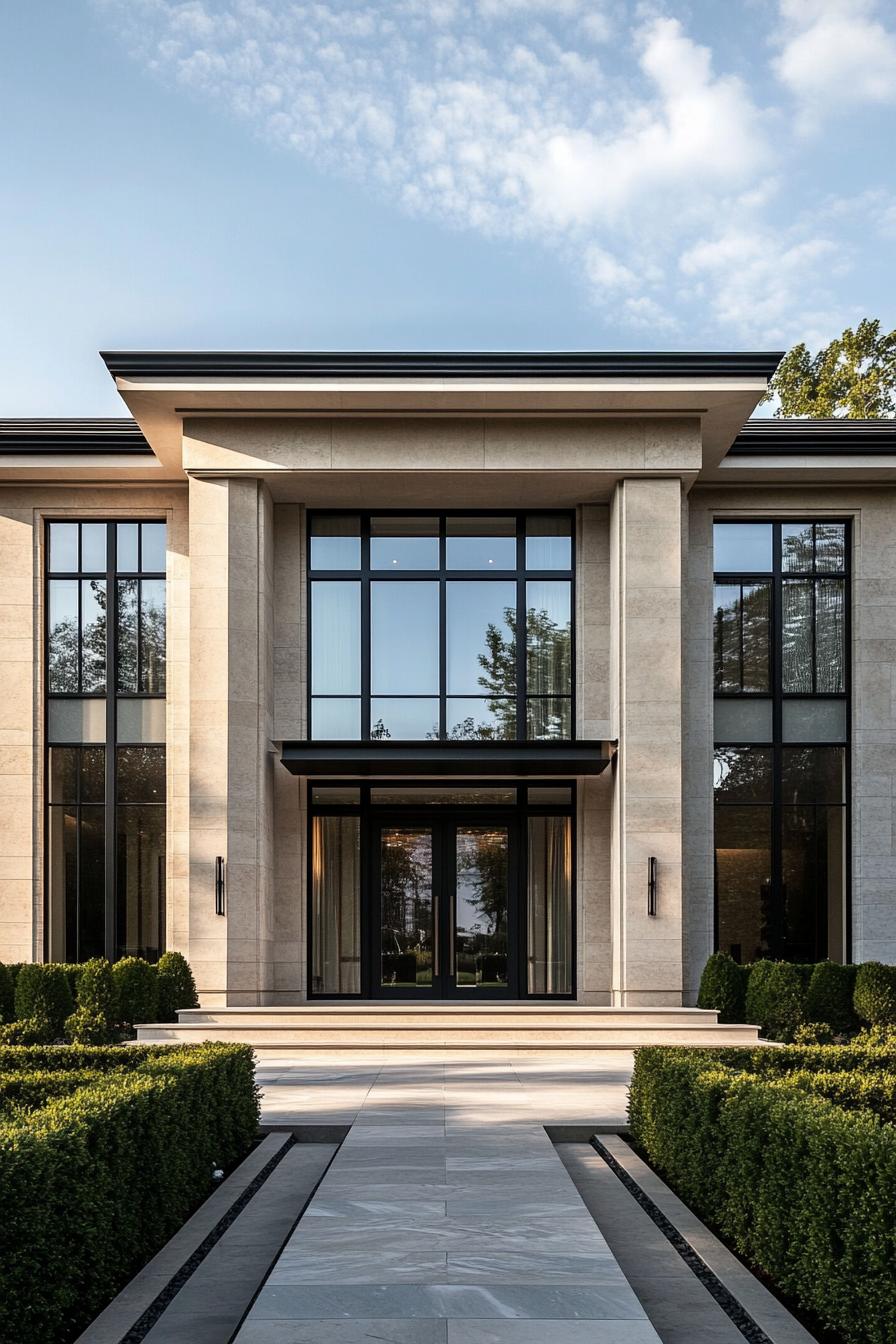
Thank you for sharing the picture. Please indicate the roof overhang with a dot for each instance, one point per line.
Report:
(468, 759)
(781, 451)
(161, 387)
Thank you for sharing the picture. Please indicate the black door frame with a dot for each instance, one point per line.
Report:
(352, 797)
(444, 826)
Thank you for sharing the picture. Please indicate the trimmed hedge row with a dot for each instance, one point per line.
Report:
(93, 1003)
(93, 1183)
(800, 1185)
(783, 997)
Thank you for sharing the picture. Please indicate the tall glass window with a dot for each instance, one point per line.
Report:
(441, 626)
(781, 729)
(105, 707)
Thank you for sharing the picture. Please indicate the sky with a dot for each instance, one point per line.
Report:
(436, 174)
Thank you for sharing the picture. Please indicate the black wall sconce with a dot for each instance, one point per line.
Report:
(651, 886)
(219, 885)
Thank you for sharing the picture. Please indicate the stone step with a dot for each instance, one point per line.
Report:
(391, 1016)
(374, 1025)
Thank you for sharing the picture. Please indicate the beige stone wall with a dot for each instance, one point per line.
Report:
(594, 970)
(23, 510)
(873, 652)
(290, 722)
(231, 727)
(646, 563)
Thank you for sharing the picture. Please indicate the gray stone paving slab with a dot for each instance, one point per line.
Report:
(448, 1205)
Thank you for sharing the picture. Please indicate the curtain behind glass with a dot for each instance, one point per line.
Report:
(336, 905)
(550, 905)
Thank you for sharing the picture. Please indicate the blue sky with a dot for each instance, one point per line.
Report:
(437, 174)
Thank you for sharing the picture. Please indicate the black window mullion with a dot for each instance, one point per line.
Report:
(522, 703)
(443, 628)
(111, 733)
(777, 723)
(365, 629)
(740, 627)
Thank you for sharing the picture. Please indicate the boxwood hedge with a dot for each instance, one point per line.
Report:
(93, 1183)
(797, 1172)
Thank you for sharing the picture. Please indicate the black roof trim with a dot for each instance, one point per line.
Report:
(441, 364)
(120, 436)
(826, 438)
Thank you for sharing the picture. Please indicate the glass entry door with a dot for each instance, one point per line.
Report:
(446, 924)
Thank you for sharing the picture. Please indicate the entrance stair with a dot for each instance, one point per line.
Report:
(408, 1026)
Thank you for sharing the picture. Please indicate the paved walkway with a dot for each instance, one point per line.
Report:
(447, 1215)
(561, 1088)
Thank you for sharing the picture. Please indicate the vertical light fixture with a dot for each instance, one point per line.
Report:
(219, 885)
(651, 885)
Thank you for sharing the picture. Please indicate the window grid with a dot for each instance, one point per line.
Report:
(781, 812)
(365, 575)
(110, 695)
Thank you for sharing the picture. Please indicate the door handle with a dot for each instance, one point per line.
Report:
(436, 968)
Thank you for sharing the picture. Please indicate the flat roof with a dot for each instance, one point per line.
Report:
(833, 436)
(440, 364)
(119, 435)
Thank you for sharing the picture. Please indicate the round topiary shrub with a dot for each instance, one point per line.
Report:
(136, 990)
(94, 1020)
(756, 1002)
(830, 994)
(7, 995)
(43, 995)
(785, 1001)
(875, 993)
(723, 986)
(177, 988)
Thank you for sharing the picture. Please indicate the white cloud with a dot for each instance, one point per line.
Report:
(835, 53)
(643, 164)
(759, 279)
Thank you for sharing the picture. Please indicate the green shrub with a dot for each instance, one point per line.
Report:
(94, 1182)
(875, 993)
(802, 1186)
(775, 998)
(7, 995)
(723, 986)
(829, 996)
(177, 988)
(755, 1003)
(136, 990)
(43, 995)
(30, 1088)
(94, 1020)
(786, 995)
(30, 1031)
(814, 1033)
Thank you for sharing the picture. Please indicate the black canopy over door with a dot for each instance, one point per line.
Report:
(445, 907)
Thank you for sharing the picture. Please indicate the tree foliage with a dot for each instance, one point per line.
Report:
(854, 376)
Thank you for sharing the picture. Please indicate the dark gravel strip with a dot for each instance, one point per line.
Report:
(141, 1328)
(739, 1317)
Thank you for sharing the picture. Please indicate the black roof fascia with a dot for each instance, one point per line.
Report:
(439, 364)
(119, 436)
(829, 437)
(446, 758)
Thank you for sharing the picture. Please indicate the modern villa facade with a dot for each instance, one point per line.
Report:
(447, 677)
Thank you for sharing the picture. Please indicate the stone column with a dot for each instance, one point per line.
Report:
(231, 758)
(646, 710)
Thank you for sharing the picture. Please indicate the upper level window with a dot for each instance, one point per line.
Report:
(416, 621)
(105, 680)
(781, 719)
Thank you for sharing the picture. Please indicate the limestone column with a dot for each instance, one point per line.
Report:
(646, 712)
(231, 761)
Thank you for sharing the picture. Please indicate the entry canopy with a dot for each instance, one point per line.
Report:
(469, 759)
